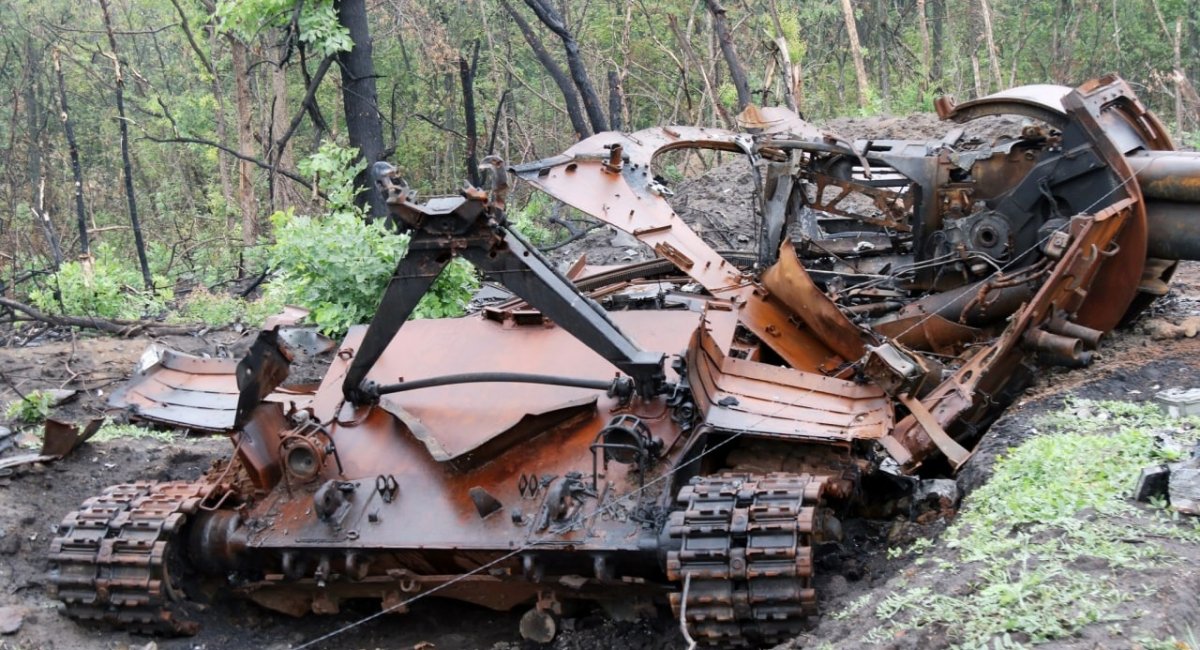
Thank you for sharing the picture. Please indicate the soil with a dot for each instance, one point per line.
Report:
(1155, 353)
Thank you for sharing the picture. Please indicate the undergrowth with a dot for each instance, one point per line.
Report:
(33, 408)
(113, 431)
(1055, 506)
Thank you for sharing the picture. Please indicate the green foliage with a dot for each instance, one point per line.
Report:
(33, 408)
(529, 218)
(1053, 501)
(111, 431)
(108, 287)
(218, 310)
(319, 27)
(338, 267)
(333, 169)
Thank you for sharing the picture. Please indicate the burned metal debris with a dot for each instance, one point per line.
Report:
(681, 431)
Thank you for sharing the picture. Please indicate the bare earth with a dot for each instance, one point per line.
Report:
(1154, 353)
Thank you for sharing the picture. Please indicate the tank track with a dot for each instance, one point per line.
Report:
(745, 540)
(114, 561)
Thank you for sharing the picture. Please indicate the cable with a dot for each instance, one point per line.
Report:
(619, 500)
(536, 542)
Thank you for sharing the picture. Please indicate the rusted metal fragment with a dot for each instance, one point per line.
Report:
(191, 392)
(61, 438)
(469, 423)
(790, 284)
(760, 400)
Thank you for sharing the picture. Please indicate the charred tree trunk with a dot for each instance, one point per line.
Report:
(860, 68)
(125, 159)
(360, 101)
(615, 100)
(737, 74)
(885, 82)
(73, 150)
(570, 95)
(591, 101)
(466, 73)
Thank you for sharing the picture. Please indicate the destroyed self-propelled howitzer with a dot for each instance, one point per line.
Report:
(684, 430)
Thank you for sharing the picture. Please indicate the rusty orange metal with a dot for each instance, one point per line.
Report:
(681, 431)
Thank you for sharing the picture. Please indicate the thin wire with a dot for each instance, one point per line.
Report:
(964, 290)
(619, 500)
(547, 536)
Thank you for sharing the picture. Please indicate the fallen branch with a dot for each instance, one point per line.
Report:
(113, 326)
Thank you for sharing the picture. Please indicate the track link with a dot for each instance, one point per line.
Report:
(112, 561)
(745, 540)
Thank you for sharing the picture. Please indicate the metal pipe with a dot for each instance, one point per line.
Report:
(1058, 349)
(1173, 230)
(494, 377)
(1088, 336)
(1168, 175)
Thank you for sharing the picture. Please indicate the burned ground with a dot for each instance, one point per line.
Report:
(856, 576)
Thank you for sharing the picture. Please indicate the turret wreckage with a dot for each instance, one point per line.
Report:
(681, 431)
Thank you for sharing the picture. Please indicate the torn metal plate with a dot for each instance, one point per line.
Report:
(182, 390)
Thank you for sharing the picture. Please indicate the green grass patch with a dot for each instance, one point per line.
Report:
(1038, 549)
(111, 431)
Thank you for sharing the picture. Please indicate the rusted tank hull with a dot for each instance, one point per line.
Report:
(691, 452)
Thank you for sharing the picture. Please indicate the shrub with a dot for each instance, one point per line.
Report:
(33, 408)
(105, 288)
(221, 309)
(337, 266)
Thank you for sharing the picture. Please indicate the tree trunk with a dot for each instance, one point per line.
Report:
(73, 149)
(125, 159)
(281, 155)
(34, 127)
(923, 26)
(935, 54)
(466, 74)
(885, 82)
(591, 101)
(860, 68)
(570, 96)
(694, 63)
(993, 57)
(360, 102)
(615, 99)
(737, 74)
(247, 203)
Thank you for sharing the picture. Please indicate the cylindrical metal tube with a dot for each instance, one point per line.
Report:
(1173, 230)
(1168, 175)
(1088, 336)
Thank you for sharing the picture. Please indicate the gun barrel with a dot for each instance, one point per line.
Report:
(1168, 175)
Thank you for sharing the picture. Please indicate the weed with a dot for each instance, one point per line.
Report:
(110, 431)
(1055, 501)
(31, 409)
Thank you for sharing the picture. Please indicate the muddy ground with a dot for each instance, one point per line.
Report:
(1157, 352)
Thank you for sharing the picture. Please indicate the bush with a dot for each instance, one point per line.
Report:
(338, 267)
(221, 309)
(34, 408)
(106, 288)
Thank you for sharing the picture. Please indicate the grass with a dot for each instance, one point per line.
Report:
(111, 431)
(1040, 548)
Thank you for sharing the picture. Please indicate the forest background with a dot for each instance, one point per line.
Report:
(203, 160)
